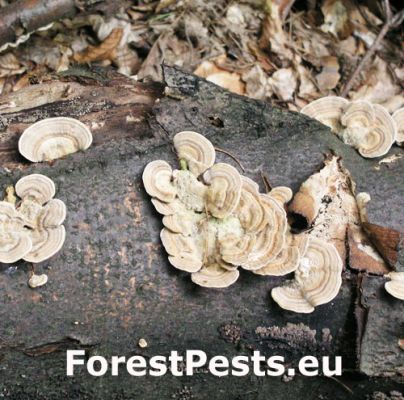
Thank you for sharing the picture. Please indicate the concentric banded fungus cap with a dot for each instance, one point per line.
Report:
(35, 187)
(157, 180)
(45, 243)
(286, 261)
(271, 240)
(214, 276)
(185, 262)
(396, 285)
(196, 150)
(317, 279)
(250, 211)
(14, 240)
(176, 243)
(54, 138)
(282, 194)
(224, 190)
(168, 208)
(327, 110)
(398, 117)
(369, 128)
(52, 214)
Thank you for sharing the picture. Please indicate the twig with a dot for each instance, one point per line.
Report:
(391, 22)
(267, 184)
(347, 388)
(231, 156)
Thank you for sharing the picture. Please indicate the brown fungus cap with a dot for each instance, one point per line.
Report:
(224, 189)
(286, 261)
(157, 180)
(168, 208)
(36, 187)
(327, 110)
(281, 194)
(398, 117)
(196, 150)
(395, 286)
(54, 138)
(269, 241)
(45, 243)
(250, 210)
(14, 239)
(214, 276)
(317, 279)
(369, 128)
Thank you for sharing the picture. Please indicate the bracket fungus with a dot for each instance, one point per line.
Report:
(327, 110)
(367, 127)
(32, 229)
(395, 286)
(216, 220)
(398, 117)
(53, 138)
(197, 151)
(317, 279)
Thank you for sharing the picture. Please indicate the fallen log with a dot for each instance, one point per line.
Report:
(111, 284)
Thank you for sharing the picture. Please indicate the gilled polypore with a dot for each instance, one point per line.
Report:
(31, 229)
(216, 220)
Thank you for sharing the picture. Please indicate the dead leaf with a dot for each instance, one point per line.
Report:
(307, 89)
(378, 85)
(9, 65)
(385, 240)
(105, 51)
(283, 83)
(329, 77)
(256, 81)
(273, 38)
(336, 18)
(221, 77)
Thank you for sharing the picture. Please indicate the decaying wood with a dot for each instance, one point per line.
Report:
(111, 284)
(23, 17)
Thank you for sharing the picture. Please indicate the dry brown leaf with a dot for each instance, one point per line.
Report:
(105, 51)
(329, 77)
(220, 76)
(256, 81)
(273, 37)
(307, 89)
(378, 86)
(336, 18)
(9, 65)
(283, 83)
(164, 4)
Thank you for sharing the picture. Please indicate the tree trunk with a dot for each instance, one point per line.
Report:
(111, 284)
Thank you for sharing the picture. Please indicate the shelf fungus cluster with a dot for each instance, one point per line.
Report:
(216, 220)
(31, 228)
(53, 138)
(367, 127)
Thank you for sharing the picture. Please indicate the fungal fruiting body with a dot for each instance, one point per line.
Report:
(398, 117)
(317, 279)
(32, 229)
(216, 220)
(367, 127)
(53, 138)
(395, 285)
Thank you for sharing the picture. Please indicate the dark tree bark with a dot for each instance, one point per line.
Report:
(111, 284)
